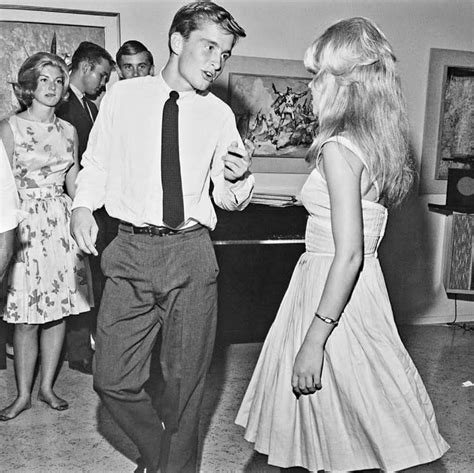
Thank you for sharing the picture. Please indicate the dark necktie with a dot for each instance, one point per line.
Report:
(87, 108)
(173, 208)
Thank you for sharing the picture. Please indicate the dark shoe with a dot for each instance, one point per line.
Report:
(84, 366)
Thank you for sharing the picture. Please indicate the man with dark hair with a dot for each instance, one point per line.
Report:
(91, 67)
(157, 144)
(134, 60)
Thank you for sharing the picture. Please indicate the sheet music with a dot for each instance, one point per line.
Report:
(274, 200)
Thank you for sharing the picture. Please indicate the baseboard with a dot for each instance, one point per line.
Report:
(435, 320)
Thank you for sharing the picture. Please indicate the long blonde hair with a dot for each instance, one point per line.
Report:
(361, 96)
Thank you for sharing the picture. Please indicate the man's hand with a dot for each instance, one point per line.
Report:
(237, 161)
(84, 230)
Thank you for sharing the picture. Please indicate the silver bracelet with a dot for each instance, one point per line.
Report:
(326, 320)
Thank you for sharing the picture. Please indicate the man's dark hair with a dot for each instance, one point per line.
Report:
(91, 52)
(132, 47)
(190, 17)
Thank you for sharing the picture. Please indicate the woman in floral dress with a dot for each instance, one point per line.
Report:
(49, 277)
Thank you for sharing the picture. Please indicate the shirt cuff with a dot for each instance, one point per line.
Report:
(81, 202)
(11, 221)
(242, 190)
(10, 213)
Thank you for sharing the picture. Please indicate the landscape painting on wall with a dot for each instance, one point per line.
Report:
(273, 107)
(274, 113)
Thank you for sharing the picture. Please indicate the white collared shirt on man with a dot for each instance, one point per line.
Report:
(122, 159)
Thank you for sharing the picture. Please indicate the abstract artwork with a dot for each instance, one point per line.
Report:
(25, 31)
(448, 137)
(456, 142)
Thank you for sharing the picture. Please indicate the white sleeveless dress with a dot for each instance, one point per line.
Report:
(373, 410)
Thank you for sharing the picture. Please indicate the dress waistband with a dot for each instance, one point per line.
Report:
(45, 192)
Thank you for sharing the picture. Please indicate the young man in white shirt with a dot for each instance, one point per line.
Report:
(162, 278)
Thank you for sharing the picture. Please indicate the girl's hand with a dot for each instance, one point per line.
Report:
(307, 369)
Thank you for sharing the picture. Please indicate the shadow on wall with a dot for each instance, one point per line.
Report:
(408, 259)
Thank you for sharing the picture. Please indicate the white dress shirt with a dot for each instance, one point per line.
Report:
(10, 215)
(122, 160)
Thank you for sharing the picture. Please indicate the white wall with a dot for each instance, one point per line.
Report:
(412, 251)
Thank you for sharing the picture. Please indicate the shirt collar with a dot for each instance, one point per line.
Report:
(182, 94)
(76, 91)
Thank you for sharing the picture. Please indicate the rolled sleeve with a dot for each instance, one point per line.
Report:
(233, 196)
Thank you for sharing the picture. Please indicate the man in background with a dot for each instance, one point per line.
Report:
(134, 60)
(90, 71)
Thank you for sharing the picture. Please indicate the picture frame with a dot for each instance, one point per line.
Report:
(445, 127)
(26, 30)
(272, 103)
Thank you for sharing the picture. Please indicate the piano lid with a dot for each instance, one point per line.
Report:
(261, 222)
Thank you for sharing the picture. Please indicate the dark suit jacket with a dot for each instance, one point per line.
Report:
(74, 112)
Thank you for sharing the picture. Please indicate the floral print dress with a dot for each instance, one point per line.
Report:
(49, 277)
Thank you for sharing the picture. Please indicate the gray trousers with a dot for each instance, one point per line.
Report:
(157, 283)
(80, 327)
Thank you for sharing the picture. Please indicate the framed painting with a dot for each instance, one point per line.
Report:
(273, 108)
(27, 30)
(448, 138)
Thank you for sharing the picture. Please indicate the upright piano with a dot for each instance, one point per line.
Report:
(256, 249)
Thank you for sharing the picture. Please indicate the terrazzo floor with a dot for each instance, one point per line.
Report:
(84, 439)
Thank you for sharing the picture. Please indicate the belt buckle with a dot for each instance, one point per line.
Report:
(148, 230)
(160, 231)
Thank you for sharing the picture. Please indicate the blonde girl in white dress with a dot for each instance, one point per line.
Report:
(334, 388)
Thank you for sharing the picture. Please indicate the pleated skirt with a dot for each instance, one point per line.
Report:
(373, 410)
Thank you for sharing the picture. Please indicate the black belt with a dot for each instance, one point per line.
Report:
(154, 230)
